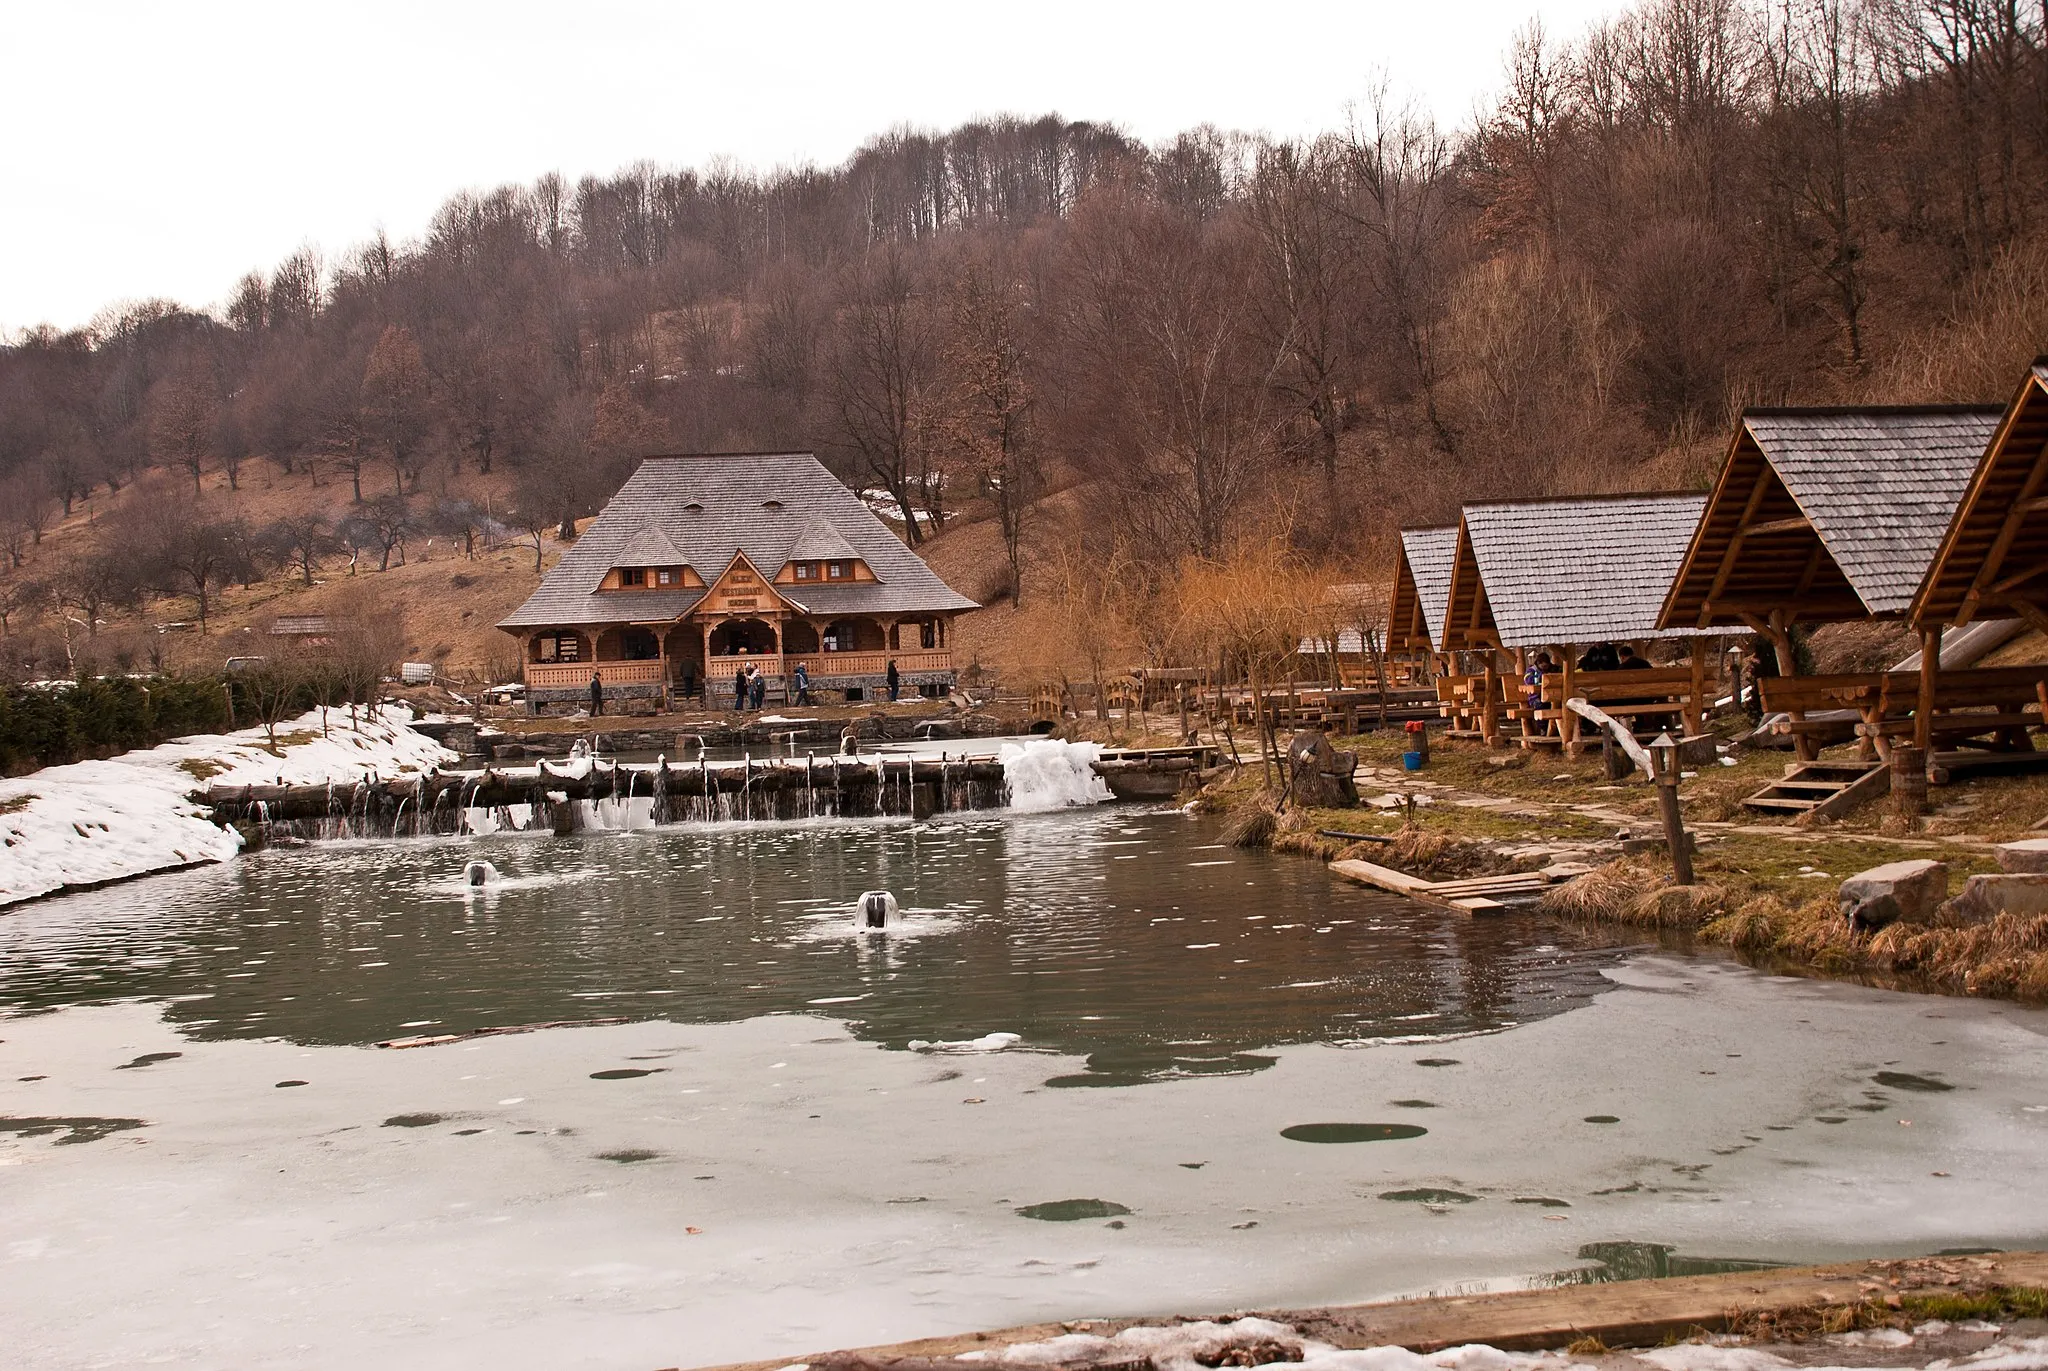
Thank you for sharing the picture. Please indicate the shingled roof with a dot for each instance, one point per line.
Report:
(1535, 573)
(1994, 556)
(710, 509)
(1829, 514)
(1422, 582)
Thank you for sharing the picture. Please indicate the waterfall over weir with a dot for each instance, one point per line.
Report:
(591, 794)
(1046, 773)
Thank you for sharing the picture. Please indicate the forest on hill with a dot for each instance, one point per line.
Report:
(1698, 205)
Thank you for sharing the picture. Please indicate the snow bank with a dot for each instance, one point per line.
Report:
(1195, 1346)
(129, 815)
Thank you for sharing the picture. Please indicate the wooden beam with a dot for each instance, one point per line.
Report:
(1749, 508)
(2020, 578)
(1812, 569)
(2036, 618)
(1791, 525)
(2008, 529)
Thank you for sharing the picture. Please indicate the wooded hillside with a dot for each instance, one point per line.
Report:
(1699, 205)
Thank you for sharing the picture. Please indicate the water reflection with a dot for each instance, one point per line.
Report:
(1128, 937)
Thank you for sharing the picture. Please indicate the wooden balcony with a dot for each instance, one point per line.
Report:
(827, 665)
(576, 675)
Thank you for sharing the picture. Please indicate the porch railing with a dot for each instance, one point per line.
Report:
(576, 675)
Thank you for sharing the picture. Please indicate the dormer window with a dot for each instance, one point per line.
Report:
(838, 571)
(771, 504)
(804, 571)
(665, 577)
(632, 576)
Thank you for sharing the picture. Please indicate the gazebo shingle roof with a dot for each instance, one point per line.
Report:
(1879, 485)
(1423, 579)
(712, 508)
(1584, 570)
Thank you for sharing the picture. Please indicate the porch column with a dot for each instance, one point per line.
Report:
(1923, 709)
(1568, 726)
(1696, 716)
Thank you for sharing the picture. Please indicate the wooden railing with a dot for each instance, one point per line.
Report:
(822, 665)
(576, 675)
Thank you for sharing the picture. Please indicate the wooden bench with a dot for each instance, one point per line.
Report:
(1473, 705)
(1997, 705)
(1650, 701)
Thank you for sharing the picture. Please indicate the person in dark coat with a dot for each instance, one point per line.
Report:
(739, 687)
(1600, 657)
(596, 694)
(1630, 660)
(803, 684)
(895, 679)
(689, 679)
(758, 687)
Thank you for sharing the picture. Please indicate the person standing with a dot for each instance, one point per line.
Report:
(759, 680)
(596, 694)
(739, 688)
(803, 685)
(895, 679)
(689, 679)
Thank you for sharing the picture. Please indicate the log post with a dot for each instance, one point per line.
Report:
(1664, 762)
(1909, 780)
(1923, 707)
(1696, 713)
(1489, 722)
(1569, 725)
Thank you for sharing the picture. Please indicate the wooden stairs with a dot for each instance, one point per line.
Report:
(1824, 790)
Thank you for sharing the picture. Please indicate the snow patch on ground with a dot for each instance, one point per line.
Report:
(1194, 1346)
(129, 815)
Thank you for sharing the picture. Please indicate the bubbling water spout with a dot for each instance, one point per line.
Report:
(1047, 773)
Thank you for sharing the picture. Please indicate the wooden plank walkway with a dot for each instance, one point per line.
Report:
(1471, 895)
(1620, 1314)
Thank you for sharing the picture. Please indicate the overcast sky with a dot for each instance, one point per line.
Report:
(157, 149)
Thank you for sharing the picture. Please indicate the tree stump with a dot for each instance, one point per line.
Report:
(1319, 776)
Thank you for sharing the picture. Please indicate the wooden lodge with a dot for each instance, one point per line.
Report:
(1561, 576)
(700, 566)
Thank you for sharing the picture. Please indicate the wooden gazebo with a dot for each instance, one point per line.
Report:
(1565, 574)
(1831, 515)
(1422, 583)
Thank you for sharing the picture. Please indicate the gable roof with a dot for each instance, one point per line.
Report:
(1828, 514)
(651, 547)
(1422, 584)
(821, 542)
(711, 508)
(1994, 555)
(1535, 573)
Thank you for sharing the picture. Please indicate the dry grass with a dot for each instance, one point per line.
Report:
(1632, 891)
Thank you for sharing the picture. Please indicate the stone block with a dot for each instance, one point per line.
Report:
(1985, 897)
(2028, 854)
(1908, 892)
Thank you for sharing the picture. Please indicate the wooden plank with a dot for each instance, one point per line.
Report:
(1382, 877)
(1873, 783)
(1618, 1313)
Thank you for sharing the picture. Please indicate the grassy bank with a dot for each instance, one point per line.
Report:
(1765, 889)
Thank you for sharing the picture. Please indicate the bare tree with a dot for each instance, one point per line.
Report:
(300, 540)
(992, 399)
(383, 523)
(184, 412)
(881, 382)
(395, 414)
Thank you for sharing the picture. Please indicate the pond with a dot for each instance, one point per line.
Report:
(1131, 938)
(785, 1135)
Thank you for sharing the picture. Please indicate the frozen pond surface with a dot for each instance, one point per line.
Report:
(743, 1171)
